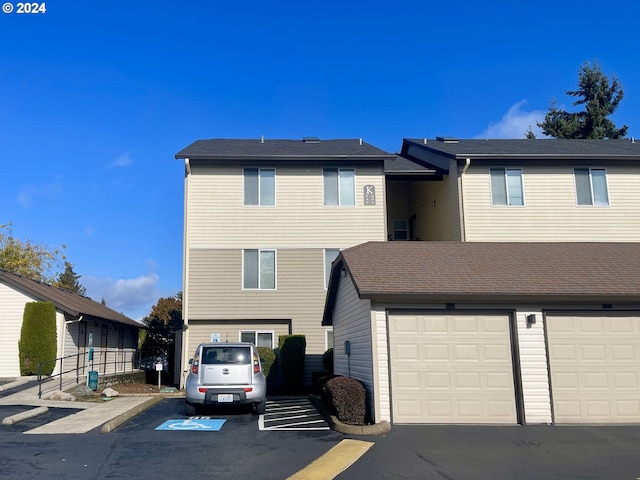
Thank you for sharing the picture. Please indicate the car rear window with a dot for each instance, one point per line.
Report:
(226, 355)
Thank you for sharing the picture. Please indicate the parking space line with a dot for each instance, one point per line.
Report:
(291, 415)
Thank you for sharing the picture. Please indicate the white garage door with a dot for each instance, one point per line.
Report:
(449, 368)
(595, 368)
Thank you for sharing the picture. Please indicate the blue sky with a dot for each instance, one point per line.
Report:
(96, 98)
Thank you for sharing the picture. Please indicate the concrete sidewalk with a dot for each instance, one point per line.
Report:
(91, 416)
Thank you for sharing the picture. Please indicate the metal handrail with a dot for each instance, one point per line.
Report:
(133, 361)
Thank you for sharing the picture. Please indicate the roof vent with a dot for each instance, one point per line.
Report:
(447, 139)
(310, 139)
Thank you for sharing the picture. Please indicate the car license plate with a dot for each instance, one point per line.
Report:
(225, 397)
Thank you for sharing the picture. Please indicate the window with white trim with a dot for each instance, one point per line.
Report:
(506, 186)
(339, 186)
(328, 339)
(260, 338)
(260, 186)
(330, 254)
(591, 186)
(259, 269)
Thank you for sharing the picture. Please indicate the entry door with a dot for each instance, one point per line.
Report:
(104, 334)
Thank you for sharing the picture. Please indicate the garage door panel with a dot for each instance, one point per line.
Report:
(465, 366)
(595, 368)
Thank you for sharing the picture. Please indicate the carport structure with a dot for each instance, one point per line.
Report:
(490, 333)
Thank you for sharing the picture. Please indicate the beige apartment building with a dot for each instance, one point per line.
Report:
(264, 219)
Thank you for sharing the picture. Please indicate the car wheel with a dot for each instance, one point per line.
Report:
(260, 408)
(190, 410)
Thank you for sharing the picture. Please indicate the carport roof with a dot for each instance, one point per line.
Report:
(456, 271)
(66, 301)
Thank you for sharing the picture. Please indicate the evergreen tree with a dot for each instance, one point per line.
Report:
(69, 280)
(529, 135)
(600, 99)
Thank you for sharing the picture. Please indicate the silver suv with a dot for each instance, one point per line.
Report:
(224, 374)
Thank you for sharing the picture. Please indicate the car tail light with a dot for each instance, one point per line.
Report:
(248, 389)
(194, 367)
(256, 364)
(202, 390)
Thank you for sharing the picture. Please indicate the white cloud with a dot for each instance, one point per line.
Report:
(134, 297)
(515, 123)
(123, 160)
(29, 194)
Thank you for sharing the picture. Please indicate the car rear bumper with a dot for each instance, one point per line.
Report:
(226, 395)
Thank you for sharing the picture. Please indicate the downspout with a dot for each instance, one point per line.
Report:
(185, 276)
(461, 172)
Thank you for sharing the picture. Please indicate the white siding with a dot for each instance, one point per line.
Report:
(352, 322)
(381, 365)
(218, 218)
(550, 212)
(533, 367)
(12, 302)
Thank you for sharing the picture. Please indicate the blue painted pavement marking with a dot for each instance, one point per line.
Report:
(192, 424)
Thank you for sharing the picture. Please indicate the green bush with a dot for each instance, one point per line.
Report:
(38, 338)
(346, 396)
(327, 361)
(268, 357)
(291, 351)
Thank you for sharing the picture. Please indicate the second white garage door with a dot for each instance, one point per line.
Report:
(448, 368)
(595, 368)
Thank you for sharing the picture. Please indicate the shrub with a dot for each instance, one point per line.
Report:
(38, 338)
(268, 358)
(291, 356)
(346, 396)
(327, 361)
(320, 382)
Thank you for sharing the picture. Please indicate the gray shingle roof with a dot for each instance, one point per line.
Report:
(403, 166)
(272, 149)
(68, 302)
(535, 148)
(589, 270)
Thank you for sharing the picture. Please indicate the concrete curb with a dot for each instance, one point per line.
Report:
(19, 417)
(338, 426)
(128, 415)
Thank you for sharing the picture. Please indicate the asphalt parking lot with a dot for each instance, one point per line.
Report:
(240, 448)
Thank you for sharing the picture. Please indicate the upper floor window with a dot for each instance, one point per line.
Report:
(330, 254)
(339, 186)
(260, 186)
(259, 269)
(506, 186)
(591, 186)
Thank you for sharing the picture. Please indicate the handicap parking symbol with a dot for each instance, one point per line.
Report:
(192, 424)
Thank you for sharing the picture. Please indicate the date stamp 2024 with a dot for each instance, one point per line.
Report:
(24, 8)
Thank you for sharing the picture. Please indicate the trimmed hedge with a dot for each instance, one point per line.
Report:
(269, 356)
(38, 338)
(291, 351)
(346, 396)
